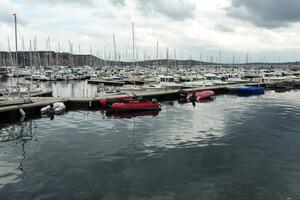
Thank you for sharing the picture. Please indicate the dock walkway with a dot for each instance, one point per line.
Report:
(12, 108)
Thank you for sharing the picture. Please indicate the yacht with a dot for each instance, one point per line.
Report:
(272, 76)
(236, 78)
(168, 82)
(213, 78)
(198, 81)
(36, 75)
(48, 76)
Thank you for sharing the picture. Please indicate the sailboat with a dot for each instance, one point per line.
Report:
(20, 88)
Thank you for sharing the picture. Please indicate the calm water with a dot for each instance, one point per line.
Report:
(231, 148)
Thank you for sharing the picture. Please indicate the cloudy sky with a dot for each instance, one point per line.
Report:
(268, 30)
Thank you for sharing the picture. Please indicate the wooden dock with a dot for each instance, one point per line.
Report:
(11, 109)
(116, 82)
(105, 82)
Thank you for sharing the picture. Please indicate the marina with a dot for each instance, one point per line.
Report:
(34, 104)
(149, 100)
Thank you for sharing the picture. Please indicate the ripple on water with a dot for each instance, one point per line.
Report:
(230, 148)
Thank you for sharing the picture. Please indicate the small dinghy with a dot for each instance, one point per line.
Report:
(198, 96)
(135, 106)
(58, 109)
(249, 90)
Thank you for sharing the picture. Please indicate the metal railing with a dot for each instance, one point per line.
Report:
(15, 93)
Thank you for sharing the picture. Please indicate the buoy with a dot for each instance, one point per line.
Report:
(22, 112)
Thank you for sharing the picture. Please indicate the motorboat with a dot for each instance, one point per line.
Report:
(214, 79)
(168, 82)
(198, 81)
(236, 78)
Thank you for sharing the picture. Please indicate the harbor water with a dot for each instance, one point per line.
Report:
(228, 148)
(60, 88)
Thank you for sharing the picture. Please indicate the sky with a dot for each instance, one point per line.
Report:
(226, 30)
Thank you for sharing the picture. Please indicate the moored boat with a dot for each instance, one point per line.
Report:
(135, 106)
(198, 96)
(109, 102)
(58, 108)
(249, 90)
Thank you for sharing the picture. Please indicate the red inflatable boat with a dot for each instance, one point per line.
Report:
(108, 102)
(198, 96)
(135, 106)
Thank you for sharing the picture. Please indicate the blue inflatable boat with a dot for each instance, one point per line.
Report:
(250, 90)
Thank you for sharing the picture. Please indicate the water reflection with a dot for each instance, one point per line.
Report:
(21, 133)
(230, 148)
(129, 115)
(14, 136)
(184, 101)
(61, 88)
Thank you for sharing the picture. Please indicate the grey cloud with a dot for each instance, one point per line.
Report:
(266, 13)
(176, 9)
(74, 2)
(7, 18)
(224, 28)
(118, 2)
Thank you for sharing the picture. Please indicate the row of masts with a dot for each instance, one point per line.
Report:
(56, 57)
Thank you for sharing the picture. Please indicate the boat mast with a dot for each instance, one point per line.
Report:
(220, 57)
(59, 63)
(133, 52)
(49, 53)
(23, 53)
(9, 50)
(16, 41)
(30, 53)
(114, 42)
(174, 58)
(157, 45)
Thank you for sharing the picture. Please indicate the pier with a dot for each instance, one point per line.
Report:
(116, 82)
(106, 82)
(10, 110)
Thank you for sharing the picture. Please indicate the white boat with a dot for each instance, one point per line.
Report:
(213, 78)
(198, 81)
(36, 75)
(236, 78)
(58, 109)
(131, 88)
(61, 75)
(48, 75)
(168, 82)
(272, 76)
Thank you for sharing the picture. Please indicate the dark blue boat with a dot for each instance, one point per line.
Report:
(250, 90)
